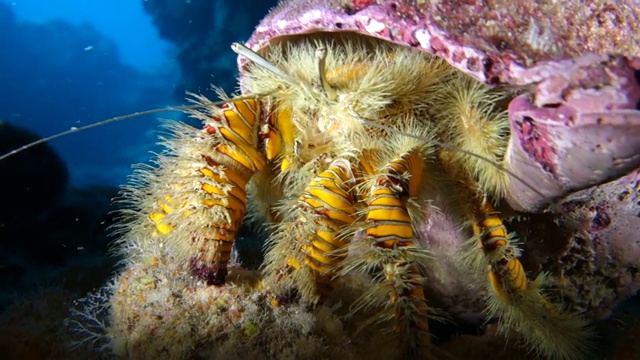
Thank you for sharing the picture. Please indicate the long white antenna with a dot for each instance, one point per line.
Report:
(262, 62)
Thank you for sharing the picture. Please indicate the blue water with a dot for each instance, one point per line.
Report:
(68, 63)
(122, 21)
(74, 62)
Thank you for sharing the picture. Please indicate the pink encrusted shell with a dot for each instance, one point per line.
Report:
(576, 128)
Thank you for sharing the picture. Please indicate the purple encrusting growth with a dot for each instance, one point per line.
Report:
(210, 274)
(601, 218)
(603, 224)
(533, 141)
(585, 110)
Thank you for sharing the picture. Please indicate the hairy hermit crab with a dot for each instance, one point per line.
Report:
(404, 156)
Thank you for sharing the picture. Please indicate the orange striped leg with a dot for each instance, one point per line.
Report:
(324, 211)
(201, 214)
(390, 230)
(506, 273)
(519, 304)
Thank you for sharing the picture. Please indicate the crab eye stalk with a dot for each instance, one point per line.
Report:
(321, 57)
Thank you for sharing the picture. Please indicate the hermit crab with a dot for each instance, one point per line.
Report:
(382, 146)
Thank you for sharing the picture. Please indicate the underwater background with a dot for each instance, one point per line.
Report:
(69, 63)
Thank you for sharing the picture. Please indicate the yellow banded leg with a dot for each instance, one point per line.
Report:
(202, 189)
(311, 247)
(224, 193)
(390, 231)
(506, 273)
(519, 304)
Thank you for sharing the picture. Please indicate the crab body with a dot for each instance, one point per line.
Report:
(575, 132)
(377, 142)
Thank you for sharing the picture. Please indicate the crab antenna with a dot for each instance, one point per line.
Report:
(258, 59)
(321, 56)
(261, 61)
(453, 148)
(82, 128)
(116, 119)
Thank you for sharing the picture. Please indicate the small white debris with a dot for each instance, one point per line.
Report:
(88, 48)
(374, 26)
(423, 37)
(311, 17)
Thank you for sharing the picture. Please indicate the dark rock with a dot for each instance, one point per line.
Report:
(203, 30)
(32, 180)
